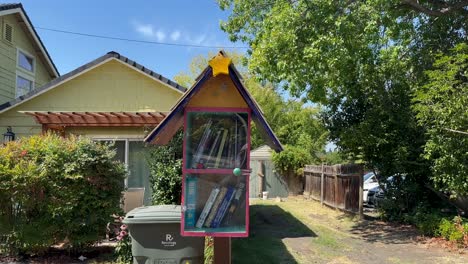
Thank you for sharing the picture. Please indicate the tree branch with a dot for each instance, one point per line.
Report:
(456, 131)
(416, 6)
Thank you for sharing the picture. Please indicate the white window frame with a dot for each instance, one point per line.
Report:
(127, 148)
(18, 50)
(24, 76)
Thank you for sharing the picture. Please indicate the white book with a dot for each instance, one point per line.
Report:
(208, 205)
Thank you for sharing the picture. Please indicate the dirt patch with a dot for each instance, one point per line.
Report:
(312, 233)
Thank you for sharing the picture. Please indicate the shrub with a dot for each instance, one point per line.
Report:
(455, 230)
(425, 220)
(55, 190)
(123, 249)
(165, 164)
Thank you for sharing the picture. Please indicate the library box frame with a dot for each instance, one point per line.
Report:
(216, 115)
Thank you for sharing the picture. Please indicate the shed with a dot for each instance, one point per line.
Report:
(264, 177)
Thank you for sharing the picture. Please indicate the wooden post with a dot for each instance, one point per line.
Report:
(361, 193)
(222, 250)
(322, 185)
(336, 171)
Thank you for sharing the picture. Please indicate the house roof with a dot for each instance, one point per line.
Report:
(88, 66)
(6, 9)
(261, 152)
(174, 120)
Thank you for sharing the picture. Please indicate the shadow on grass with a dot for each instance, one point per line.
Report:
(371, 229)
(269, 224)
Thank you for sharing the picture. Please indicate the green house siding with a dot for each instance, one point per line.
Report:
(110, 87)
(8, 59)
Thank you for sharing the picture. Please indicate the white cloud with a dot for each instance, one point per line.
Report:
(152, 32)
(145, 30)
(149, 31)
(175, 35)
(160, 35)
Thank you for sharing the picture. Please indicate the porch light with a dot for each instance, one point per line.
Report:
(8, 136)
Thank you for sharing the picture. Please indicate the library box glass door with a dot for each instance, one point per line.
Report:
(215, 172)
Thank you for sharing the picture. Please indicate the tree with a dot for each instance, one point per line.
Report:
(361, 60)
(442, 108)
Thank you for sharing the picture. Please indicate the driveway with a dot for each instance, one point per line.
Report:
(302, 231)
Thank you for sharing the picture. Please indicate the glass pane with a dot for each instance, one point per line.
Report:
(23, 86)
(139, 169)
(25, 61)
(215, 203)
(216, 140)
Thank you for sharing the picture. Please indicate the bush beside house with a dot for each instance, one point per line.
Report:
(56, 191)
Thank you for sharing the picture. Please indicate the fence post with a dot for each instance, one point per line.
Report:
(338, 169)
(322, 185)
(361, 193)
(222, 250)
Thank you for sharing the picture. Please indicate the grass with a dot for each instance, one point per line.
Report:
(285, 233)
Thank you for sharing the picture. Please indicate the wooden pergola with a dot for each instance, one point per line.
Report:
(61, 120)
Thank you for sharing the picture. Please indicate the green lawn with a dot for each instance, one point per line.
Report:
(303, 231)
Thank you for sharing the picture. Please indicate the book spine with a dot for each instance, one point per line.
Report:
(208, 205)
(191, 202)
(218, 201)
(221, 147)
(202, 143)
(235, 203)
(210, 158)
(223, 207)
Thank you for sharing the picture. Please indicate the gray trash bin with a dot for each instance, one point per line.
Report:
(156, 239)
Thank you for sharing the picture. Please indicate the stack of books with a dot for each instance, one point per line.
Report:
(221, 205)
(221, 146)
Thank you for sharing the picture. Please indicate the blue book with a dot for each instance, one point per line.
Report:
(190, 201)
(223, 207)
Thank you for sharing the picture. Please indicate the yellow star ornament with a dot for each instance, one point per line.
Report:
(220, 64)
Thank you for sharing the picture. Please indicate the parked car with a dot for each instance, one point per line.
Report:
(373, 198)
(376, 194)
(370, 182)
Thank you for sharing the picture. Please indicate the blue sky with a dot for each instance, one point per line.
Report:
(174, 21)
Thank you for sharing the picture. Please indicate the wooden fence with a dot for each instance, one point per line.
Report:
(339, 186)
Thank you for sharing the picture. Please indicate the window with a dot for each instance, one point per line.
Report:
(25, 61)
(133, 154)
(23, 85)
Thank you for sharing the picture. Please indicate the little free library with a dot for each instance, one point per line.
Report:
(216, 114)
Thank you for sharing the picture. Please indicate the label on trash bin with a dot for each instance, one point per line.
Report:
(166, 261)
(169, 241)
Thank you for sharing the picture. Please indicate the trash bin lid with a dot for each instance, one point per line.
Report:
(154, 214)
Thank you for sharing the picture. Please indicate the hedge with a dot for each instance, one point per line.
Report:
(56, 190)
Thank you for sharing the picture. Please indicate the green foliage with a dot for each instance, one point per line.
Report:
(454, 230)
(55, 190)
(442, 108)
(209, 250)
(123, 249)
(165, 164)
(361, 60)
(427, 220)
(292, 159)
(333, 157)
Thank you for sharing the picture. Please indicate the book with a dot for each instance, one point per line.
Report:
(223, 207)
(202, 144)
(190, 201)
(236, 202)
(208, 205)
(221, 147)
(216, 204)
(210, 158)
